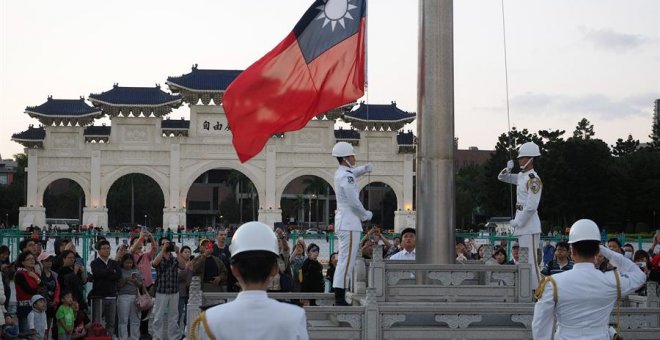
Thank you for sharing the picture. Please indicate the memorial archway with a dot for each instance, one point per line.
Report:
(308, 201)
(221, 197)
(381, 199)
(135, 199)
(64, 200)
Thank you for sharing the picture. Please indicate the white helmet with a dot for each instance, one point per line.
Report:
(529, 149)
(584, 230)
(343, 149)
(253, 236)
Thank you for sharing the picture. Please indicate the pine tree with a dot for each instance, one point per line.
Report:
(584, 130)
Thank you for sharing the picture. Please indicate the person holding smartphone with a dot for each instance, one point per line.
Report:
(128, 286)
(168, 262)
(142, 256)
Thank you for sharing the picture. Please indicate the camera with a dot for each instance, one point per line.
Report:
(170, 247)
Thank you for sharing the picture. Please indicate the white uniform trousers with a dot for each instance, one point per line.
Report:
(349, 246)
(532, 242)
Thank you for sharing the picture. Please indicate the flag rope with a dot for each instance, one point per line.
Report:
(366, 90)
(508, 112)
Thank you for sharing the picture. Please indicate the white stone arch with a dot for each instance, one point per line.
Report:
(110, 178)
(325, 174)
(396, 187)
(190, 174)
(79, 179)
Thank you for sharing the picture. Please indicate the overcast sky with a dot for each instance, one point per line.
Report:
(566, 59)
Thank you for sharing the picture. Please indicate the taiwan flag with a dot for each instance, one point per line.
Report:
(319, 66)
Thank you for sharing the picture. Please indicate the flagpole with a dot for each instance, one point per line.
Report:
(435, 132)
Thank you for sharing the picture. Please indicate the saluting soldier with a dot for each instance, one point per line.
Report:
(581, 299)
(349, 217)
(526, 224)
(254, 252)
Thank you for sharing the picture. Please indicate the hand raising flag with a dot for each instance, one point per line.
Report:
(319, 66)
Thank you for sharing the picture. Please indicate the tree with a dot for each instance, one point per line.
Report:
(13, 196)
(584, 129)
(315, 186)
(623, 148)
(468, 194)
(655, 135)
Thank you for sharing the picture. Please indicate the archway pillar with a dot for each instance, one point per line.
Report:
(404, 219)
(270, 216)
(95, 183)
(96, 216)
(172, 218)
(31, 216)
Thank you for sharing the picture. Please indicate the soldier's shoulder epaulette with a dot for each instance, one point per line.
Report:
(531, 175)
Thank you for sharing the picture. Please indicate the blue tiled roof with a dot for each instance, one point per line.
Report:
(175, 124)
(135, 96)
(31, 134)
(347, 134)
(204, 80)
(63, 108)
(405, 138)
(380, 112)
(96, 130)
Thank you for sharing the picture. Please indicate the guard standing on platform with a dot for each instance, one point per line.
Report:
(526, 224)
(581, 299)
(349, 217)
(254, 253)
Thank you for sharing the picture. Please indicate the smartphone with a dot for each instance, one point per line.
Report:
(144, 228)
(79, 261)
(170, 247)
(125, 242)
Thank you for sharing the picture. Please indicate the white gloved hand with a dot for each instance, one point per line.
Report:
(509, 165)
(368, 168)
(368, 216)
(513, 223)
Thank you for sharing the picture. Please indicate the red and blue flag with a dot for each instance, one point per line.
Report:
(319, 66)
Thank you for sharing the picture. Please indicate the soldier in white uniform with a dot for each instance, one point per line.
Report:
(252, 315)
(581, 299)
(349, 217)
(526, 224)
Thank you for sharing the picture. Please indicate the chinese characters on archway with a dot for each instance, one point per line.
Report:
(217, 127)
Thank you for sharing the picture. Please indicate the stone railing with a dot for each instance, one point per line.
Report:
(399, 300)
(651, 299)
(394, 281)
(323, 299)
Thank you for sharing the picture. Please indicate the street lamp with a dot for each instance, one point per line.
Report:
(309, 220)
(317, 211)
(145, 220)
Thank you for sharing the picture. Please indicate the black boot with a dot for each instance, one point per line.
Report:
(340, 297)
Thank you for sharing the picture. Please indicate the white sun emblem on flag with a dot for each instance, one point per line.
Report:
(334, 11)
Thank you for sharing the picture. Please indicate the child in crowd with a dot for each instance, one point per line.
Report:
(65, 317)
(80, 324)
(36, 319)
(10, 328)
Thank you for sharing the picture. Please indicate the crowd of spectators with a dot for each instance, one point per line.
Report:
(54, 283)
(556, 258)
